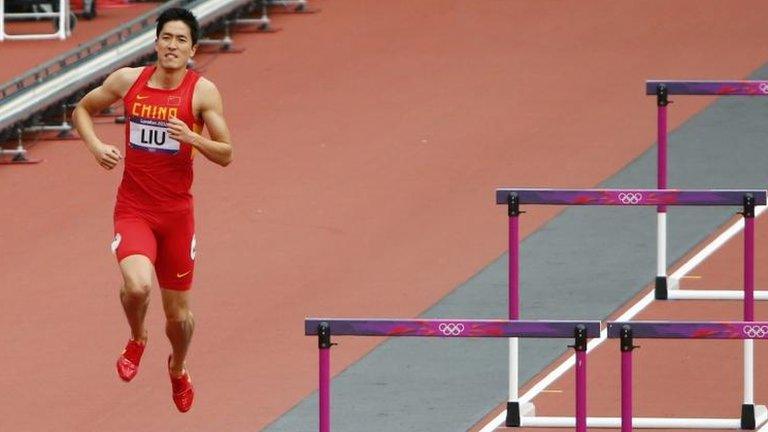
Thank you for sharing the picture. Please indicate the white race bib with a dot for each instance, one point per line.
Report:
(152, 135)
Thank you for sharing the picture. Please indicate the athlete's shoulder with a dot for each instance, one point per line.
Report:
(121, 80)
(206, 92)
(206, 86)
(129, 72)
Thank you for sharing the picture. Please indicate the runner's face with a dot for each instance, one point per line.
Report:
(174, 45)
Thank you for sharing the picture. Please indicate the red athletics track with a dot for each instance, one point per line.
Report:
(348, 124)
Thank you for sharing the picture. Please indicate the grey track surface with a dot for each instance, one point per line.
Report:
(585, 263)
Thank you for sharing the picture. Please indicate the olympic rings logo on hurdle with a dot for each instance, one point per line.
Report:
(764, 87)
(630, 197)
(451, 329)
(757, 332)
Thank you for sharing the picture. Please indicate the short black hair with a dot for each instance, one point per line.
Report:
(179, 14)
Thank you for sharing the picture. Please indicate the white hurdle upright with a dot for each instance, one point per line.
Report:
(62, 16)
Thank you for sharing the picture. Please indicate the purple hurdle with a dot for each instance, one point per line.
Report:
(661, 198)
(324, 328)
(627, 331)
(707, 87)
(666, 287)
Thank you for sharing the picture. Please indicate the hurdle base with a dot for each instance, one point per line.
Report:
(761, 415)
(693, 294)
(748, 416)
(517, 410)
(661, 292)
(673, 283)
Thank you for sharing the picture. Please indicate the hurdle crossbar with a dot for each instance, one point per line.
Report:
(667, 288)
(628, 197)
(690, 329)
(708, 88)
(751, 416)
(515, 197)
(451, 328)
(324, 328)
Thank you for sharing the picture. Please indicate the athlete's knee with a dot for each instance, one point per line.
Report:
(136, 288)
(177, 311)
(137, 277)
(176, 305)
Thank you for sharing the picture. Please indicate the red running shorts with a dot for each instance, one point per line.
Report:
(166, 238)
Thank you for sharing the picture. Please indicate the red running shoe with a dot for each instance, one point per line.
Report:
(183, 392)
(128, 362)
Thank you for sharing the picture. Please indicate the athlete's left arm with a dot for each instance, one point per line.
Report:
(217, 148)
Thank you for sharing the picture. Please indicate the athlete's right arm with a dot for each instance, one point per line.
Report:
(113, 89)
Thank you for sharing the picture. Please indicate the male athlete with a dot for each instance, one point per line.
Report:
(166, 106)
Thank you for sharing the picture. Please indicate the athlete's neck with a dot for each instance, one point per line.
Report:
(167, 78)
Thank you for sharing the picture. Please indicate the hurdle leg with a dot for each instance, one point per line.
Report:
(661, 180)
(749, 257)
(513, 403)
(748, 420)
(513, 210)
(626, 378)
(580, 346)
(324, 348)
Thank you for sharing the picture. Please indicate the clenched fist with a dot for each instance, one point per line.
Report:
(106, 155)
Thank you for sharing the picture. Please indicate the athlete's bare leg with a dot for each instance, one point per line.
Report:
(134, 295)
(179, 326)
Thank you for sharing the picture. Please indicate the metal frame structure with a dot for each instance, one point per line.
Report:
(62, 29)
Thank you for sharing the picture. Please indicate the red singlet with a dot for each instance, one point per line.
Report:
(158, 169)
